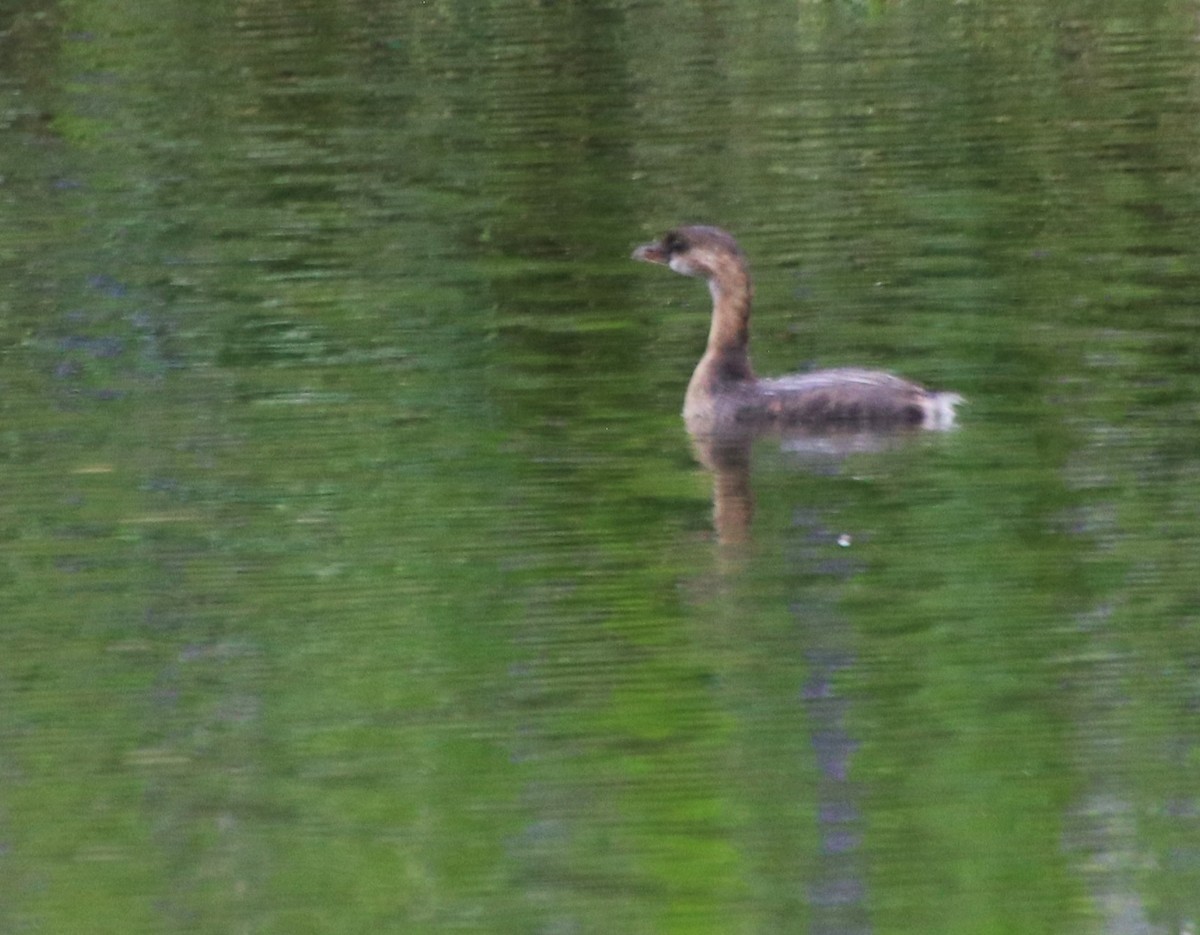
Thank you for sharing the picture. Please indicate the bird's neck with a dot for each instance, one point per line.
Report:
(729, 336)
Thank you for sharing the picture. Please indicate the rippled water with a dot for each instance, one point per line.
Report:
(359, 574)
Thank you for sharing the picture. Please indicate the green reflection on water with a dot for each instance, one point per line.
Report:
(358, 575)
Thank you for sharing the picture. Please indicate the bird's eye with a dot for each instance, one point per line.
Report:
(674, 243)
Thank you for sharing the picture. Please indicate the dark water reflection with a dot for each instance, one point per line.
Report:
(358, 574)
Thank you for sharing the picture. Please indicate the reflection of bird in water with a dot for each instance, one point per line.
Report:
(724, 393)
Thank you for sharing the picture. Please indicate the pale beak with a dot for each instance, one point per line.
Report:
(652, 253)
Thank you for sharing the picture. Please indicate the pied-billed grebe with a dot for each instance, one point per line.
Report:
(724, 392)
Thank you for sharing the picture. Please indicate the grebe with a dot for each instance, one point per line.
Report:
(725, 394)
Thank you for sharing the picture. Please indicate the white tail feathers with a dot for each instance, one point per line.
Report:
(939, 410)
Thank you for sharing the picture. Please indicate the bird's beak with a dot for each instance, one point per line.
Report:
(651, 253)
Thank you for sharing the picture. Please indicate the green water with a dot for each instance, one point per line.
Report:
(359, 576)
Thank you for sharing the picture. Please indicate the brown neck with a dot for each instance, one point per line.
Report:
(730, 333)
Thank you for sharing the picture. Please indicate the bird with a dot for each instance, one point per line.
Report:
(724, 392)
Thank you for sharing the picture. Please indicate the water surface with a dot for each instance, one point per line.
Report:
(360, 576)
